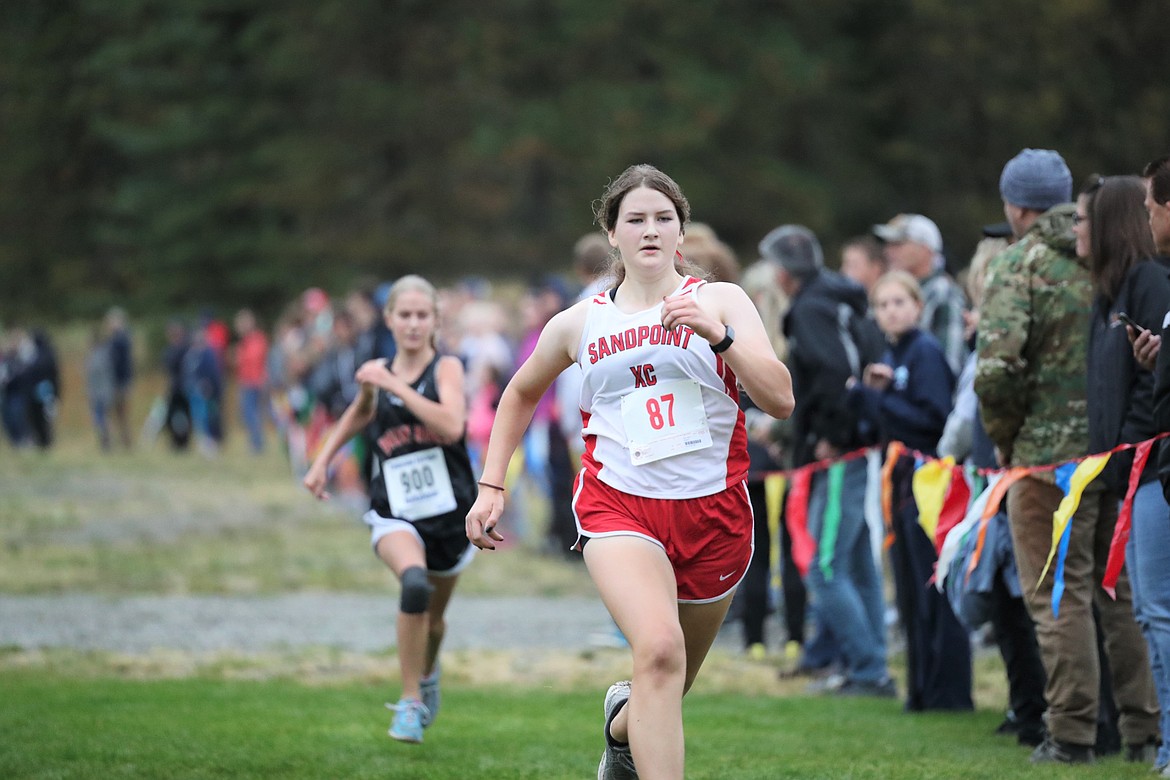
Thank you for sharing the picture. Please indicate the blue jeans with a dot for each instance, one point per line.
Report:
(843, 579)
(821, 649)
(200, 412)
(251, 399)
(99, 409)
(14, 412)
(1147, 556)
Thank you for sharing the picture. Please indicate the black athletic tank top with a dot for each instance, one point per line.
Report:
(414, 476)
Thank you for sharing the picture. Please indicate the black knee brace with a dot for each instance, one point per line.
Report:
(416, 591)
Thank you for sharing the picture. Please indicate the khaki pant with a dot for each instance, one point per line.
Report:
(1068, 644)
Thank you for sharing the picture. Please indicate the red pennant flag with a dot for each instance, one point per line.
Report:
(804, 547)
(1124, 520)
(954, 507)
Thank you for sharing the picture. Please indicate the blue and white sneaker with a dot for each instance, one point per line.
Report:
(617, 762)
(407, 725)
(429, 689)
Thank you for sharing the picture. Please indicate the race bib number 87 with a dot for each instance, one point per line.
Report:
(665, 419)
(418, 485)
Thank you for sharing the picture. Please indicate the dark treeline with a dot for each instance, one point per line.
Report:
(169, 153)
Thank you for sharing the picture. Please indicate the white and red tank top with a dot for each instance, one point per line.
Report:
(660, 410)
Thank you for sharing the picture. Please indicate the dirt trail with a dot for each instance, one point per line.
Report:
(353, 622)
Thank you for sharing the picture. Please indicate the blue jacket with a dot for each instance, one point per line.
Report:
(914, 408)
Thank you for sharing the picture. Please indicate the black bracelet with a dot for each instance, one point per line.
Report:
(488, 484)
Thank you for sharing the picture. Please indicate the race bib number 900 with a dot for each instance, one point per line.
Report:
(665, 419)
(418, 485)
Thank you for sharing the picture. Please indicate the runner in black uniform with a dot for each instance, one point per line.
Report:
(413, 414)
(421, 479)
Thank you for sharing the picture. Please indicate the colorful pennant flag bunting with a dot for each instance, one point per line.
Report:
(943, 492)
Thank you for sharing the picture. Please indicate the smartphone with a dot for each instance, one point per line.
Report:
(1125, 319)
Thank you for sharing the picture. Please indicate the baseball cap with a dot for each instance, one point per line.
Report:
(997, 230)
(910, 227)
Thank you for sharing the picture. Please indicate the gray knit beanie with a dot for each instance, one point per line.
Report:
(1036, 179)
(794, 248)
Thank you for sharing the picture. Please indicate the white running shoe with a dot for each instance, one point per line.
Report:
(617, 762)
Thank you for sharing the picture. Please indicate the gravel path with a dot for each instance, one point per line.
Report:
(359, 623)
(252, 624)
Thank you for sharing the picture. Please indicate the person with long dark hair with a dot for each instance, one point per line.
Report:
(1112, 232)
(661, 504)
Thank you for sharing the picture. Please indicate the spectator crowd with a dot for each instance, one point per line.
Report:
(30, 385)
(1046, 353)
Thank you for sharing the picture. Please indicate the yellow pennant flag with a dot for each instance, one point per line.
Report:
(515, 468)
(774, 489)
(1086, 471)
(930, 484)
(774, 498)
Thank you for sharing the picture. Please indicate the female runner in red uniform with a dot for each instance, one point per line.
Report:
(661, 504)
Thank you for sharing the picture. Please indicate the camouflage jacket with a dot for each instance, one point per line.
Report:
(1033, 346)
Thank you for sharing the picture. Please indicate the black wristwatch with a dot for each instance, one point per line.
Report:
(728, 340)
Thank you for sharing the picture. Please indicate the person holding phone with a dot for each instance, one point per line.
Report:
(1130, 291)
(1128, 321)
(1147, 345)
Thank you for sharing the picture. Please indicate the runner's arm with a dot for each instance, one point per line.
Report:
(447, 418)
(355, 417)
(751, 357)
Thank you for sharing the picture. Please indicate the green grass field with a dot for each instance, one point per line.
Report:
(57, 726)
(151, 522)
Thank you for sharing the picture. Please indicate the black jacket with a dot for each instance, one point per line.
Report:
(1120, 393)
(830, 338)
(1162, 393)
